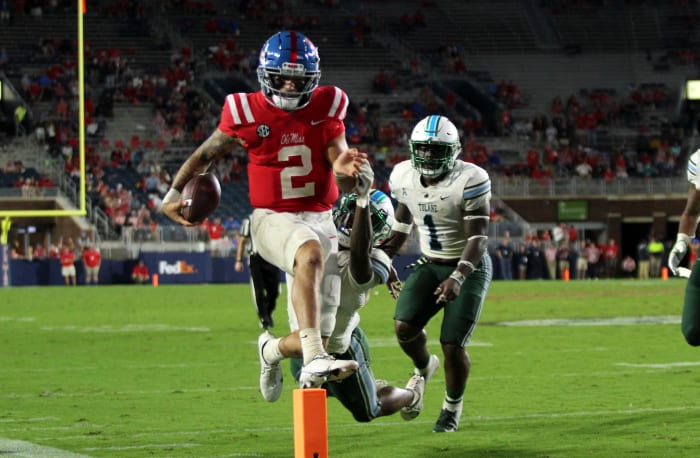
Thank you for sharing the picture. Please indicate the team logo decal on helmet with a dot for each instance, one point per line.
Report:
(288, 56)
(434, 146)
(381, 213)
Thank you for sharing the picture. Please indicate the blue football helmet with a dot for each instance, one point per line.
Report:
(381, 213)
(287, 56)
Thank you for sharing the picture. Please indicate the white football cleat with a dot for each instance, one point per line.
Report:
(270, 374)
(416, 384)
(429, 370)
(325, 368)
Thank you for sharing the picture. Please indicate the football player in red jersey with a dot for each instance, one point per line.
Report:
(295, 137)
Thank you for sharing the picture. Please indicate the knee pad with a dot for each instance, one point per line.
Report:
(408, 339)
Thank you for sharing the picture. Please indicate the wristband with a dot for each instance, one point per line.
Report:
(401, 227)
(681, 237)
(362, 201)
(173, 195)
(468, 265)
(458, 276)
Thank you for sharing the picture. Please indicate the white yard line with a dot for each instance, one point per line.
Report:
(73, 369)
(391, 342)
(107, 328)
(15, 448)
(383, 424)
(140, 447)
(661, 365)
(127, 392)
(27, 420)
(611, 321)
(649, 369)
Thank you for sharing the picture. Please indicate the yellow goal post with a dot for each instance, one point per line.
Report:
(82, 210)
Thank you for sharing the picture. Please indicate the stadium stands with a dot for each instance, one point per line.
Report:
(157, 79)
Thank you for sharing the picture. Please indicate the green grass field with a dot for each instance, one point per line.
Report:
(595, 369)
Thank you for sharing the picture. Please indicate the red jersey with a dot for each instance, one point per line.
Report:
(610, 251)
(91, 257)
(288, 168)
(67, 257)
(140, 270)
(216, 231)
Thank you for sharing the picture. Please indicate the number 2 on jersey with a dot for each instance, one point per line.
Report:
(289, 191)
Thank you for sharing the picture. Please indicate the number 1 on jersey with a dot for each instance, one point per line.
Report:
(434, 242)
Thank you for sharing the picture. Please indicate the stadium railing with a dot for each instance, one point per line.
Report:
(524, 187)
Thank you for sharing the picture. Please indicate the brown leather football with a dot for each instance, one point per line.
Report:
(202, 195)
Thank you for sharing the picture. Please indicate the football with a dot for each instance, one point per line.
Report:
(202, 195)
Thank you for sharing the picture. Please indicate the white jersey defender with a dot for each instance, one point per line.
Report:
(353, 296)
(438, 209)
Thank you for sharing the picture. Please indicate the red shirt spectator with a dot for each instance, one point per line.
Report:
(67, 257)
(611, 250)
(91, 257)
(215, 229)
(533, 159)
(140, 274)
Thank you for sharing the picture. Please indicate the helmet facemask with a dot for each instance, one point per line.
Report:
(381, 215)
(433, 159)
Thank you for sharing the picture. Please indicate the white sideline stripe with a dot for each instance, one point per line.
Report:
(23, 420)
(382, 424)
(661, 366)
(49, 394)
(98, 368)
(389, 343)
(652, 368)
(613, 321)
(586, 413)
(9, 447)
(20, 319)
(126, 328)
(139, 447)
(531, 416)
(237, 454)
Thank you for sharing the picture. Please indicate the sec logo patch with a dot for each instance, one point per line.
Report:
(263, 131)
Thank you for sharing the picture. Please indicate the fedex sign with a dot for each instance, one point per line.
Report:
(177, 268)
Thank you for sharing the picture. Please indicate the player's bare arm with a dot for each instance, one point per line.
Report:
(393, 283)
(361, 245)
(238, 267)
(346, 162)
(199, 161)
(399, 232)
(476, 227)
